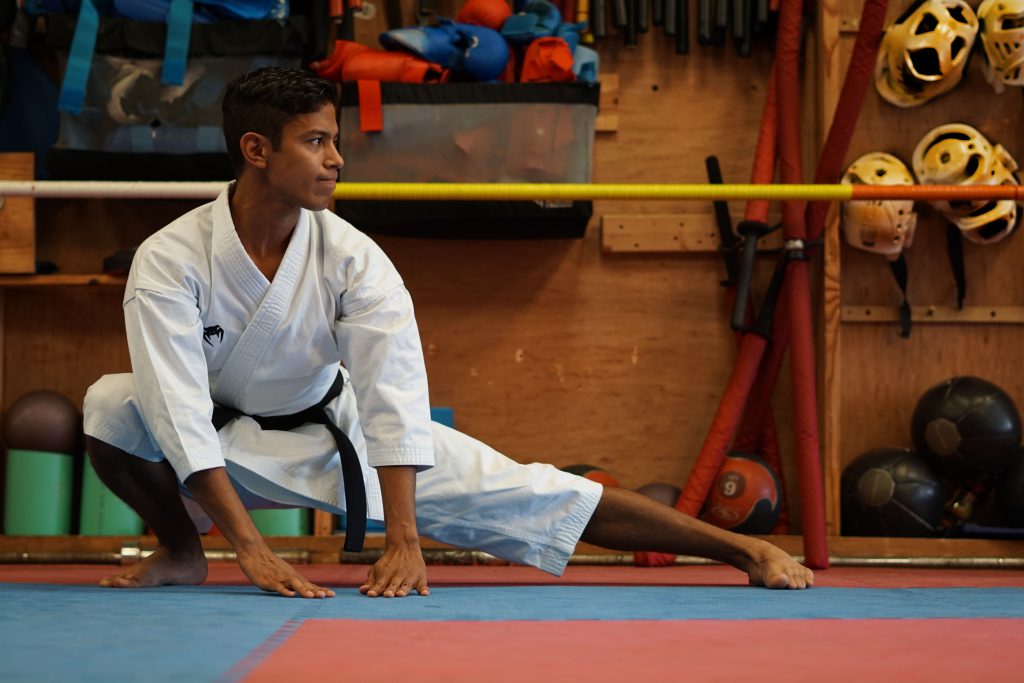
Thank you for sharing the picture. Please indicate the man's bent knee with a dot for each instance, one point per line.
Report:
(101, 452)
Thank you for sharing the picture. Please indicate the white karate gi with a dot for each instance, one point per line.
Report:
(204, 325)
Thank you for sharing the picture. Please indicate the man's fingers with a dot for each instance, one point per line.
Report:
(281, 589)
(310, 590)
(397, 588)
(370, 578)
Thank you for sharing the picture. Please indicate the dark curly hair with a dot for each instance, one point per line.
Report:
(264, 100)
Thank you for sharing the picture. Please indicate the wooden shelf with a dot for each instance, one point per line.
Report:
(1014, 315)
(72, 280)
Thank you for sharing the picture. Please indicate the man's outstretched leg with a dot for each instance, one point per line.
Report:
(151, 489)
(626, 520)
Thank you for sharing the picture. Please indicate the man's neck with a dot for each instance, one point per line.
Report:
(264, 227)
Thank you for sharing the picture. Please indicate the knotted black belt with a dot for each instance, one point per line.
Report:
(355, 491)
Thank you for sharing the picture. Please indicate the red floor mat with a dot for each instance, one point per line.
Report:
(929, 651)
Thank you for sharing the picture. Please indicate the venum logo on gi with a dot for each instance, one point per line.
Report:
(213, 331)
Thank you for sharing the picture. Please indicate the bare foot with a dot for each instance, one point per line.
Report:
(162, 569)
(772, 567)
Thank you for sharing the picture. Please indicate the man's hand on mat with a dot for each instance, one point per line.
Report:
(772, 567)
(272, 574)
(399, 570)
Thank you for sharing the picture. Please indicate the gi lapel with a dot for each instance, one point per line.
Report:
(258, 336)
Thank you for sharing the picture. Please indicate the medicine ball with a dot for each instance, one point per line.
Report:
(44, 421)
(1010, 493)
(746, 496)
(891, 492)
(593, 473)
(662, 492)
(968, 427)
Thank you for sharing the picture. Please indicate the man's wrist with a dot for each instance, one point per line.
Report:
(403, 533)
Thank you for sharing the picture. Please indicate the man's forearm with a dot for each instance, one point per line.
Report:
(398, 489)
(212, 489)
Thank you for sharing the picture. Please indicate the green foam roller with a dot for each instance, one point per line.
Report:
(290, 522)
(103, 513)
(37, 501)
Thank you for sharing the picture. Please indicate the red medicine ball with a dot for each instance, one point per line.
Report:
(661, 491)
(593, 473)
(746, 497)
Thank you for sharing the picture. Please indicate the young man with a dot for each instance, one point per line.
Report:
(262, 303)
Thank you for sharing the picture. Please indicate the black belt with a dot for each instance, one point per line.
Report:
(351, 471)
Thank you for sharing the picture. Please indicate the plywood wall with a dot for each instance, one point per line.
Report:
(880, 374)
(548, 350)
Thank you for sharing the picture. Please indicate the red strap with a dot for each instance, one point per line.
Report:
(371, 114)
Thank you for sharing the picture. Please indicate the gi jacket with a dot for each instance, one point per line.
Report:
(205, 325)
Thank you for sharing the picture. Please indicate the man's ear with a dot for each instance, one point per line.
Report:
(255, 149)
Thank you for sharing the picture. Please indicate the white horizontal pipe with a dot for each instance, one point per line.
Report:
(77, 189)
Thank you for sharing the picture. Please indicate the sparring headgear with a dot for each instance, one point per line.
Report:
(547, 60)
(537, 19)
(475, 50)
(924, 51)
(332, 68)
(957, 154)
(351, 61)
(585, 64)
(1002, 35)
(880, 226)
(489, 13)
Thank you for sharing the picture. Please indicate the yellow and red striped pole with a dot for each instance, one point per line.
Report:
(528, 191)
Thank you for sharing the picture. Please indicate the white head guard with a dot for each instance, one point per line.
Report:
(1002, 35)
(880, 226)
(924, 51)
(957, 154)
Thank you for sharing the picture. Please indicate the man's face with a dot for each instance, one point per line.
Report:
(303, 169)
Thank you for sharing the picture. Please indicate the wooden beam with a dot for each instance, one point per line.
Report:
(667, 234)
(608, 105)
(606, 123)
(1004, 315)
(17, 217)
(71, 280)
(609, 97)
(324, 523)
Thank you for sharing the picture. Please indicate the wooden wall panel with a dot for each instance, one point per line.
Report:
(62, 339)
(547, 350)
(881, 375)
(551, 351)
(17, 217)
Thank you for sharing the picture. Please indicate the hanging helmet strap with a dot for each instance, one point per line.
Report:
(899, 273)
(955, 250)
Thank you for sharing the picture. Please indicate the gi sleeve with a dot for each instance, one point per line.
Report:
(165, 343)
(379, 343)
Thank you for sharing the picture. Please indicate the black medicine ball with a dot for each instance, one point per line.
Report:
(891, 492)
(968, 427)
(1010, 494)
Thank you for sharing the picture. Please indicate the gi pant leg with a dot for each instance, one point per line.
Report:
(474, 497)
